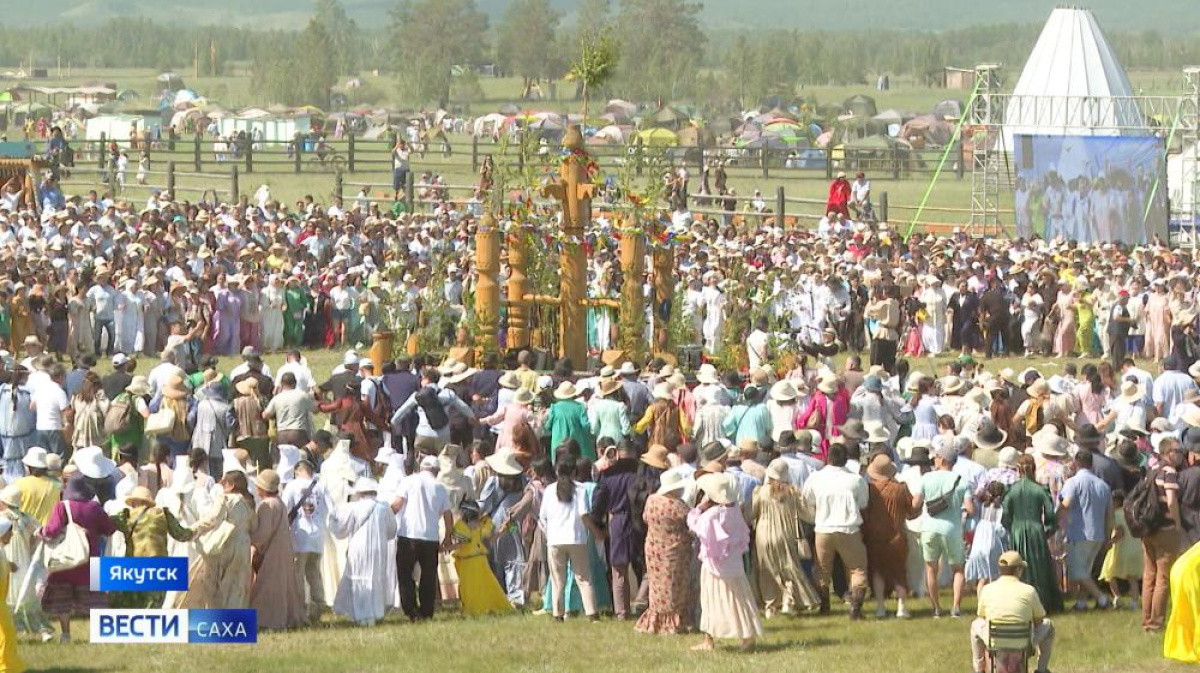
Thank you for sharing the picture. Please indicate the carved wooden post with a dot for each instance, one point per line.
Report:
(664, 291)
(574, 192)
(518, 287)
(632, 253)
(487, 288)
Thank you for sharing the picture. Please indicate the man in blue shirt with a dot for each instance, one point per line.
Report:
(1086, 514)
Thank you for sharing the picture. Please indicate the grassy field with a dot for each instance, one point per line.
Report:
(1086, 643)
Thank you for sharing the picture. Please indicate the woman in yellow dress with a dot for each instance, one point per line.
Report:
(1182, 638)
(10, 662)
(478, 588)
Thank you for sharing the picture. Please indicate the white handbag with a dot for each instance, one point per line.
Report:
(160, 422)
(70, 549)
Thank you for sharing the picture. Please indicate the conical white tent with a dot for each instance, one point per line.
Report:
(1072, 83)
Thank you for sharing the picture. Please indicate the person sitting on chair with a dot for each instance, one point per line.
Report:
(1009, 600)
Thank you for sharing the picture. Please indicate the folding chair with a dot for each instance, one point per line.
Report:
(1009, 647)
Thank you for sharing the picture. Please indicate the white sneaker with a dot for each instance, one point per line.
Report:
(902, 614)
(47, 636)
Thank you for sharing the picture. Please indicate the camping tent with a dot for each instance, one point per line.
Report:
(667, 117)
(860, 106)
(169, 81)
(931, 131)
(657, 137)
(695, 136)
(113, 127)
(949, 109)
(1072, 83)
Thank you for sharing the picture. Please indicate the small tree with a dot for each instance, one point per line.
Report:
(595, 66)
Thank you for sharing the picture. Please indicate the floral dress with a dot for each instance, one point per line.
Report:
(669, 555)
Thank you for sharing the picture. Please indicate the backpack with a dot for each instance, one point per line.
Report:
(1145, 512)
(435, 411)
(119, 416)
(383, 401)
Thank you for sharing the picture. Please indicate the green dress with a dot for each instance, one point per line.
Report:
(296, 302)
(568, 418)
(1028, 517)
(134, 434)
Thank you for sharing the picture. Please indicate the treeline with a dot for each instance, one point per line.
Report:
(665, 52)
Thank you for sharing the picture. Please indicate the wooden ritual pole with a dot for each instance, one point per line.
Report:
(573, 190)
(632, 253)
(487, 289)
(518, 286)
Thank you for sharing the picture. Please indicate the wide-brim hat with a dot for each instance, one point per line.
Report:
(1049, 445)
(988, 436)
(853, 429)
(447, 367)
(784, 391)
(523, 398)
(35, 457)
(1039, 388)
(566, 391)
(627, 369)
(1132, 392)
(247, 387)
(138, 386)
(608, 387)
(719, 487)
(10, 496)
(670, 482)
(656, 456)
(140, 495)
(778, 470)
(877, 433)
(504, 462)
(708, 374)
(174, 389)
(92, 463)
(267, 480)
(1008, 457)
(510, 380)
(919, 455)
(662, 391)
(952, 385)
(828, 384)
(364, 485)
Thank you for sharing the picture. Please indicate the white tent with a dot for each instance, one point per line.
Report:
(1072, 83)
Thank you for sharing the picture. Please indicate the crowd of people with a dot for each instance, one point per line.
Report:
(692, 501)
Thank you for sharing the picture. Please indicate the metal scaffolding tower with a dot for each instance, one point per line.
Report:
(987, 152)
(995, 117)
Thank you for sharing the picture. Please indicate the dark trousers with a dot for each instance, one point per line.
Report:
(883, 352)
(411, 553)
(1117, 350)
(105, 327)
(994, 344)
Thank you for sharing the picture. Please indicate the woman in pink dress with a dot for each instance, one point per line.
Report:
(1092, 397)
(1158, 323)
(1064, 334)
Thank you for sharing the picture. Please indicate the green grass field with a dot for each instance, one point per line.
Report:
(1086, 643)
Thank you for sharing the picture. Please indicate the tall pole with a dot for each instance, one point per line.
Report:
(518, 287)
(574, 191)
(632, 253)
(487, 289)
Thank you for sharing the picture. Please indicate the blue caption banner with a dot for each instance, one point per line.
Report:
(222, 627)
(139, 573)
(150, 627)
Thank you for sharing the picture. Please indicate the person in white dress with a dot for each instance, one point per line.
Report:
(1032, 307)
(714, 312)
(339, 473)
(693, 307)
(933, 329)
(130, 318)
(370, 526)
(273, 304)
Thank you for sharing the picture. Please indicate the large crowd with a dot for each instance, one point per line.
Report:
(690, 501)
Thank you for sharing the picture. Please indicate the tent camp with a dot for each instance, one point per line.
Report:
(657, 137)
(694, 136)
(927, 131)
(115, 127)
(271, 129)
(667, 117)
(1072, 83)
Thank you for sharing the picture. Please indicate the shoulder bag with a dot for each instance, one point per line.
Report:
(70, 549)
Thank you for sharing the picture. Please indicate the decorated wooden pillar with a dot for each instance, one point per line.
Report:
(487, 287)
(663, 260)
(632, 253)
(517, 288)
(574, 191)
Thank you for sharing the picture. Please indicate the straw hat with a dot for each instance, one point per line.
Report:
(656, 456)
(1049, 444)
(1008, 457)
(778, 470)
(523, 398)
(510, 380)
(174, 389)
(247, 387)
(1039, 388)
(662, 391)
(608, 387)
(784, 391)
(719, 487)
(10, 497)
(953, 385)
(877, 433)
(140, 495)
(138, 386)
(828, 383)
(267, 480)
(707, 374)
(35, 457)
(504, 463)
(1131, 392)
(566, 391)
(670, 482)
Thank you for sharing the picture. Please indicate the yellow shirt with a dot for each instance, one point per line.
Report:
(38, 497)
(528, 379)
(1008, 599)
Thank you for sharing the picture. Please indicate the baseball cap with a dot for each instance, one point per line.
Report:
(1011, 559)
(120, 359)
